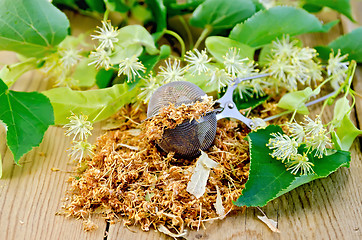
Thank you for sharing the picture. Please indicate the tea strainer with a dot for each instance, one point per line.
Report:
(188, 138)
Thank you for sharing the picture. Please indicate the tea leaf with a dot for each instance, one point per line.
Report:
(31, 28)
(265, 26)
(27, 116)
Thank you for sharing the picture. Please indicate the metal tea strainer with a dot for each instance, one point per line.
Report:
(188, 138)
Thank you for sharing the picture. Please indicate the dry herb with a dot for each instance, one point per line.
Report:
(147, 186)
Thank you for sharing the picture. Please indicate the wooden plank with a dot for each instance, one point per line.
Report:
(31, 194)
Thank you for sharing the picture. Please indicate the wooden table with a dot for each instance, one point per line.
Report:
(32, 193)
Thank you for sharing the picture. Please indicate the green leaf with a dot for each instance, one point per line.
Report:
(346, 133)
(84, 75)
(350, 44)
(174, 8)
(341, 109)
(268, 178)
(312, 8)
(96, 5)
(323, 52)
(136, 34)
(222, 14)
(202, 81)
(117, 5)
(141, 14)
(218, 47)
(341, 6)
(296, 100)
(27, 116)
(10, 73)
(248, 102)
(264, 55)
(104, 78)
(265, 26)
(97, 104)
(31, 28)
(159, 13)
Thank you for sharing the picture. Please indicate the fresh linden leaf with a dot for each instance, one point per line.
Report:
(219, 46)
(222, 14)
(350, 44)
(116, 5)
(27, 116)
(136, 34)
(159, 13)
(296, 100)
(175, 7)
(247, 101)
(198, 181)
(10, 73)
(104, 78)
(96, 104)
(341, 109)
(268, 177)
(265, 26)
(346, 133)
(96, 5)
(84, 75)
(31, 28)
(341, 6)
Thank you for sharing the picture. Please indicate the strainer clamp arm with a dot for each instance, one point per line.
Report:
(227, 105)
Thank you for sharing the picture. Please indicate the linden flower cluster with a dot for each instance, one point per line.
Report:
(60, 65)
(290, 65)
(81, 128)
(285, 148)
(101, 57)
(217, 75)
(337, 68)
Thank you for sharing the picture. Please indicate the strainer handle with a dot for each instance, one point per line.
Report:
(230, 111)
(228, 106)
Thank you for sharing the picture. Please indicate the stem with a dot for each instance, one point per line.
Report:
(292, 118)
(180, 40)
(276, 116)
(204, 34)
(188, 32)
(106, 14)
(307, 104)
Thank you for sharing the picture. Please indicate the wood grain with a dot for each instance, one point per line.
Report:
(31, 194)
